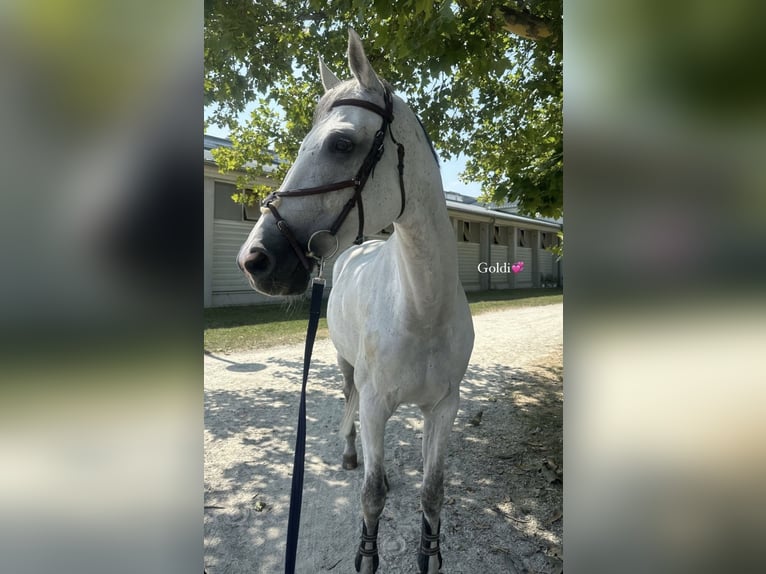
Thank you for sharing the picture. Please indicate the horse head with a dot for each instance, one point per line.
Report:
(344, 179)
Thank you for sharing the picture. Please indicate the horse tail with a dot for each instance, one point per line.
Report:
(352, 405)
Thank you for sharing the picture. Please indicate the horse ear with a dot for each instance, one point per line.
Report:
(329, 80)
(360, 65)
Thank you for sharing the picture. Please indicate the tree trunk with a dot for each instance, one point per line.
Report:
(525, 24)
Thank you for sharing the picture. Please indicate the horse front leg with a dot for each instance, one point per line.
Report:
(347, 426)
(372, 418)
(436, 430)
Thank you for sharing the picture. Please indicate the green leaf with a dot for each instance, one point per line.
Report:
(480, 91)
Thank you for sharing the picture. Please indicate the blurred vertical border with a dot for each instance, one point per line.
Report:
(665, 318)
(101, 290)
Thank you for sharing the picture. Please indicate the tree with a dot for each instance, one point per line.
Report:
(485, 78)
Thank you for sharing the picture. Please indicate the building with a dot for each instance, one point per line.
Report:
(482, 234)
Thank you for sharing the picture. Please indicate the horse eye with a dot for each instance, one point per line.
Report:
(344, 145)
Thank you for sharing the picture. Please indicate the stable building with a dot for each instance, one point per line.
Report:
(489, 240)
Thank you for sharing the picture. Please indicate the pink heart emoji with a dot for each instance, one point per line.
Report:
(515, 268)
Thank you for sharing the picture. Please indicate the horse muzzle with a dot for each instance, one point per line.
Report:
(271, 266)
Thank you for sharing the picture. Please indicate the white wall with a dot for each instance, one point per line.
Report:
(229, 285)
(468, 265)
(225, 284)
(209, 195)
(524, 277)
(499, 255)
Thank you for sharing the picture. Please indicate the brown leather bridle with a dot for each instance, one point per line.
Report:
(366, 170)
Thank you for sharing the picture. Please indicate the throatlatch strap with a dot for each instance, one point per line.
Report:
(296, 491)
(400, 153)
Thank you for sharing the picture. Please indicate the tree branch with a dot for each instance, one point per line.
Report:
(524, 24)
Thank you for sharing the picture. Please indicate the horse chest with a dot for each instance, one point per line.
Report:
(404, 368)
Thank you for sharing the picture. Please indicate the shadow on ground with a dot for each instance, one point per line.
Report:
(502, 509)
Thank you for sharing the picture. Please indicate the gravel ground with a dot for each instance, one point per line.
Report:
(503, 486)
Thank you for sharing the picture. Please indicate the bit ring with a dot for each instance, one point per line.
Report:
(329, 255)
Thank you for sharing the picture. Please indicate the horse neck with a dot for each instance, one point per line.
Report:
(424, 248)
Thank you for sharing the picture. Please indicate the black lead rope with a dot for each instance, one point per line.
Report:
(270, 203)
(296, 492)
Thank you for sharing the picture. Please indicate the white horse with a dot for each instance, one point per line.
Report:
(397, 314)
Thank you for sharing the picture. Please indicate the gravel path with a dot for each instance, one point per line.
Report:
(503, 498)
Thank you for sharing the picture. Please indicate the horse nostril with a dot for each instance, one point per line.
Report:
(257, 262)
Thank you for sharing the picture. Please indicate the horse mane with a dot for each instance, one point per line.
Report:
(428, 139)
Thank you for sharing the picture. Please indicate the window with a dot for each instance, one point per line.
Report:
(252, 212)
(466, 231)
(226, 208)
(500, 235)
(524, 237)
(548, 239)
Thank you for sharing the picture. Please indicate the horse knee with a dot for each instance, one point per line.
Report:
(432, 496)
(374, 495)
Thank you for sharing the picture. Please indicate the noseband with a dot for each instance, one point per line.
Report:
(357, 183)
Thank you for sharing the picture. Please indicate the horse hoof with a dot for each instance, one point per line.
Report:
(371, 568)
(423, 561)
(349, 462)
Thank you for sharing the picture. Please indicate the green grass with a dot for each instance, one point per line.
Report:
(259, 326)
(485, 301)
(263, 326)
